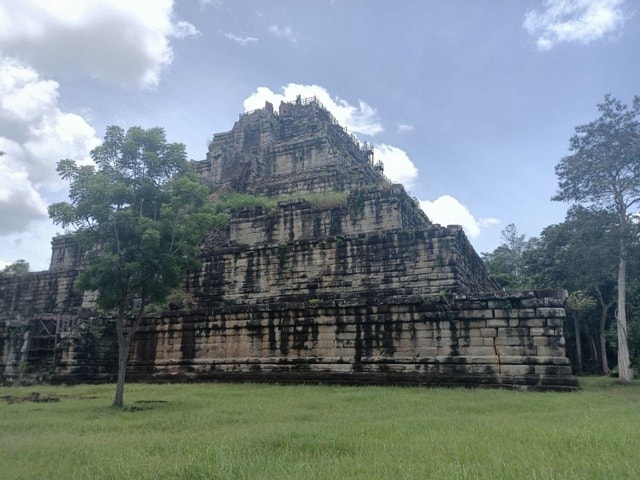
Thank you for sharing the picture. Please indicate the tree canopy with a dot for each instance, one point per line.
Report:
(506, 262)
(603, 171)
(19, 267)
(140, 215)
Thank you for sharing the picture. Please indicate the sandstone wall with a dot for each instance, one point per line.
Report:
(509, 340)
(26, 300)
(360, 211)
(298, 151)
(423, 261)
(358, 287)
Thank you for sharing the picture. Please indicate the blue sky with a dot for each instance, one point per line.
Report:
(470, 103)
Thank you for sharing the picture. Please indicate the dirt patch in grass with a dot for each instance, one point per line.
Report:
(34, 397)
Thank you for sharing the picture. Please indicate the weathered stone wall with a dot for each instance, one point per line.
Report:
(298, 151)
(65, 254)
(506, 339)
(24, 301)
(361, 211)
(423, 261)
(352, 285)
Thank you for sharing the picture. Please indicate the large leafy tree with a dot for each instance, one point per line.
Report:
(604, 171)
(506, 263)
(580, 254)
(140, 216)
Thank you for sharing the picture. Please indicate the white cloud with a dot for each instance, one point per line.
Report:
(447, 210)
(361, 119)
(398, 167)
(115, 41)
(581, 21)
(184, 29)
(282, 32)
(405, 127)
(34, 134)
(239, 40)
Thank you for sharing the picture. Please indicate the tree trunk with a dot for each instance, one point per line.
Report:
(624, 368)
(604, 363)
(125, 332)
(124, 344)
(594, 350)
(576, 327)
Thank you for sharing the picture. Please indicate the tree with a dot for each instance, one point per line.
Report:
(140, 216)
(505, 263)
(604, 171)
(579, 304)
(580, 254)
(19, 267)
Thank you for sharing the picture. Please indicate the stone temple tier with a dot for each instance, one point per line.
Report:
(336, 276)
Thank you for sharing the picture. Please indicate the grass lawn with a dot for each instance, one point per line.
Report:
(250, 431)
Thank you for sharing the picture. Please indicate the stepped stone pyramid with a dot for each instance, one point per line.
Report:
(373, 240)
(342, 278)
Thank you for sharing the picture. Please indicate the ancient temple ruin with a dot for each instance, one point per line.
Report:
(341, 279)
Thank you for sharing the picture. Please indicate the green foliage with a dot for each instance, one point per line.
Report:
(604, 168)
(577, 254)
(356, 202)
(283, 253)
(603, 171)
(506, 263)
(236, 201)
(19, 267)
(140, 215)
(580, 303)
(327, 199)
(247, 431)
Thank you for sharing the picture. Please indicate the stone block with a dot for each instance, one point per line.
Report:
(488, 332)
(513, 332)
(512, 340)
(555, 322)
(497, 322)
(541, 341)
(474, 314)
(480, 351)
(532, 302)
(544, 331)
(553, 369)
(512, 350)
(533, 322)
(516, 370)
(550, 350)
(550, 312)
(504, 313)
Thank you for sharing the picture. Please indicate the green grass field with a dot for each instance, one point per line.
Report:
(248, 431)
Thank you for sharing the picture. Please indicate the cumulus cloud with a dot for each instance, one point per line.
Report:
(446, 210)
(361, 119)
(34, 134)
(398, 167)
(581, 21)
(121, 42)
(239, 40)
